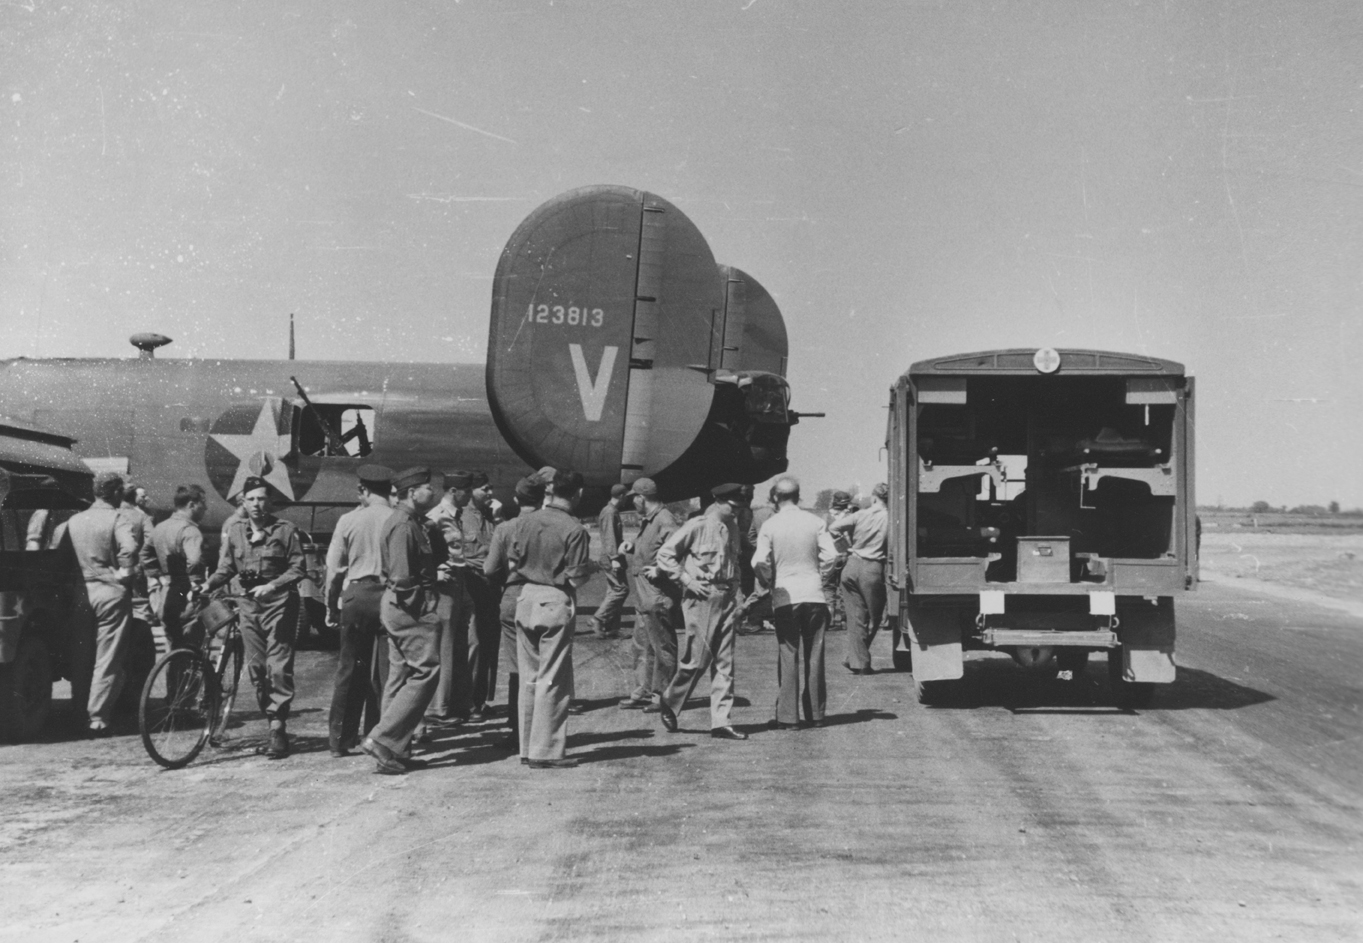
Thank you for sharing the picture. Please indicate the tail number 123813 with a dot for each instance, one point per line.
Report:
(565, 314)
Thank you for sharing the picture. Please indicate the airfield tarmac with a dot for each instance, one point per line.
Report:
(1229, 809)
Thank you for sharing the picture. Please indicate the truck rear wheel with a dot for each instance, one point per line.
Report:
(26, 691)
(1128, 694)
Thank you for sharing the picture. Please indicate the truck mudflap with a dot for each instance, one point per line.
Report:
(1146, 634)
(933, 634)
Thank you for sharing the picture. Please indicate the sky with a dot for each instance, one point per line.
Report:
(907, 179)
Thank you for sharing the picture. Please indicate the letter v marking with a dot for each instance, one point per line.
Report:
(593, 392)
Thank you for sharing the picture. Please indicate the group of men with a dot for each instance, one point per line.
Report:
(123, 563)
(431, 589)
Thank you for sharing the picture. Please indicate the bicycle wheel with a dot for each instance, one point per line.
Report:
(179, 703)
(227, 674)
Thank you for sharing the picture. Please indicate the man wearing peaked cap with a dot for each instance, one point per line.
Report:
(451, 701)
(497, 568)
(659, 610)
(606, 620)
(702, 556)
(407, 610)
(551, 554)
(476, 524)
(354, 590)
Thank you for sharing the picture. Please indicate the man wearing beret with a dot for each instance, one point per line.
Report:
(551, 554)
(265, 554)
(106, 548)
(659, 612)
(354, 589)
(606, 621)
(408, 613)
(497, 568)
(451, 701)
(702, 556)
(863, 578)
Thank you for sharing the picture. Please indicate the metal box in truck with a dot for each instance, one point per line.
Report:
(1041, 504)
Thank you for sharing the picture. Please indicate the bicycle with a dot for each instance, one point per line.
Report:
(188, 697)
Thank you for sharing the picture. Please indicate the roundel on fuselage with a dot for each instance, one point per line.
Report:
(254, 439)
(603, 305)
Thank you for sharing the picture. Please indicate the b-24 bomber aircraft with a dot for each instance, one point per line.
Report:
(617, 347)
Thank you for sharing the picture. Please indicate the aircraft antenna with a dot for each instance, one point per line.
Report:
(291, 356)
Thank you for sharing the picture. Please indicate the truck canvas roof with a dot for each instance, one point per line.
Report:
(1021, 361)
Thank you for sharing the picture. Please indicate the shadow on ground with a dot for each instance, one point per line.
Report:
(999, 682)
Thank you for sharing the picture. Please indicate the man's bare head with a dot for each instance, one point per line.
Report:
(786, 491)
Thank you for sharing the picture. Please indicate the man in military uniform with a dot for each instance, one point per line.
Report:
(134, 507)
(702, 556)
(451, 700)
(551, 553)
(172, 558)
(497, 568)
(265, 555)
(659, 610)
(354, 589)
(476, 522)
(863, 578)
(606, 620)
(839, 508)
(106, 549)
(408, 612)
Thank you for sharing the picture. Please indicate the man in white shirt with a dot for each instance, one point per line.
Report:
(795, 554)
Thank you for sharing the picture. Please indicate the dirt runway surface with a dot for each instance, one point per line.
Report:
(1027, 810)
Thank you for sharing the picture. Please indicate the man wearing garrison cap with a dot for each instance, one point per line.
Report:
(659, 612)
(452, 701)
(104, 544)
(497, 568)
(702, 556)
(606, 621)
(354, 589)
(265, 555)
(408, 612)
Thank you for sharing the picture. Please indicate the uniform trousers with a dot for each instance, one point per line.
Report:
(484, 635)
(709, 646)
(110, 613)
(413, 670)
(832, 595)
(510, 655)
(800, 628)
(863, 598)
(658, 616)
(545, 617)
(355, 698)
(612, 604)
(180, 632)
(269, 627)
(452, 691)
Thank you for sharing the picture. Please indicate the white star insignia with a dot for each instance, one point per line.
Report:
(259, 453)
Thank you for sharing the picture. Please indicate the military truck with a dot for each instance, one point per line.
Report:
(1041, 504)
(46, 635)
